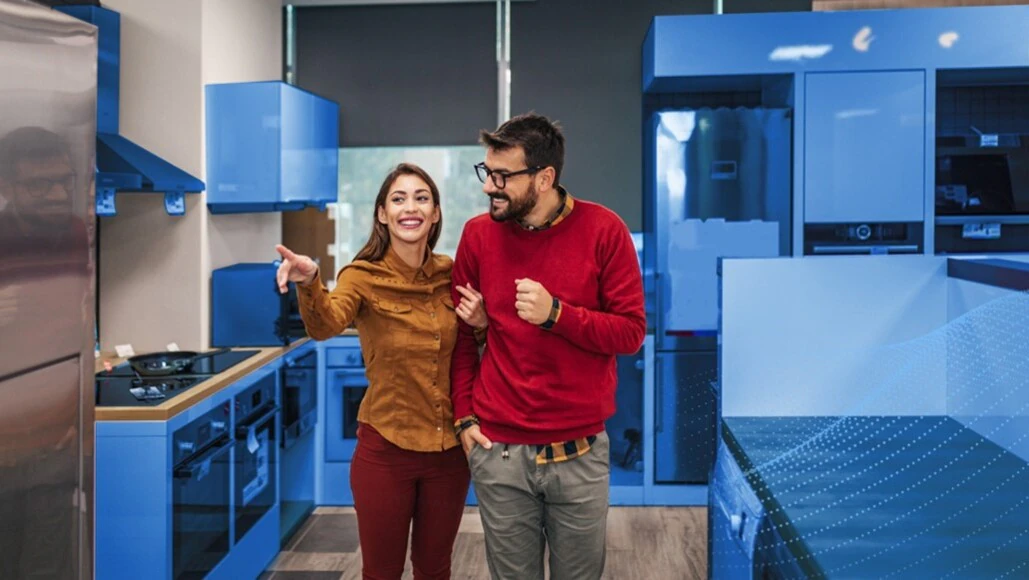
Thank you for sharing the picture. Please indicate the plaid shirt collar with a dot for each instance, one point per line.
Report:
(563, 211)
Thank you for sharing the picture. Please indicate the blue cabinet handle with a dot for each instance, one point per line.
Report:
(351, 378)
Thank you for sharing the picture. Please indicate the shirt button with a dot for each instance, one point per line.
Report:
(439, 428)
(432, 315)
(436, 337)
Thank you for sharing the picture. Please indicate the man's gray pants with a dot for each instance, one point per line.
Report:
(525, 506)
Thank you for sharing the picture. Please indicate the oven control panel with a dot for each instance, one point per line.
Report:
(200, 433)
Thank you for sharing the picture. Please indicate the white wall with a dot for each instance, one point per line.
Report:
(154, 268)
(242, 42)
(150, 276)
(834, 336)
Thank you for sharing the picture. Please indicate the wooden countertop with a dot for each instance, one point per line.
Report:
(169, 409)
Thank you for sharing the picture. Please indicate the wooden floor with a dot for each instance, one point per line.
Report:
(642, 544)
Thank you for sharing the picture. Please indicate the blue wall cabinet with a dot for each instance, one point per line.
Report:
(270, 147)
(865, 134)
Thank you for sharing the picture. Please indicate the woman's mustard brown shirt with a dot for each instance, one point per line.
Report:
(407, 327)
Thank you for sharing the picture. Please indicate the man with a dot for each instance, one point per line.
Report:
(562, 289)
(36, 184)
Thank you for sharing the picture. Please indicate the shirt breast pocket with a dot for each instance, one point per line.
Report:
(398, 322)
(393, 308)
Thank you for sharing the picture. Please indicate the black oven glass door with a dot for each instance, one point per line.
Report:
(344, 390)
(256, 456)
(299, 393)
(200, 511)
(352, 398)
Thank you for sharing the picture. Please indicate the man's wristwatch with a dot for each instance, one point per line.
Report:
(464, 423)
(555, 313)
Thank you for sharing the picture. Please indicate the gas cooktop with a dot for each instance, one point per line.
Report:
(123, 387)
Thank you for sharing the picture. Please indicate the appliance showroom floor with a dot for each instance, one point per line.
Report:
(642, 544)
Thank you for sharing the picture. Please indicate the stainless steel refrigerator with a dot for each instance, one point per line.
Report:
(48, 66)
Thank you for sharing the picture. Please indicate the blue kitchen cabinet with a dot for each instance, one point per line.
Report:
(342, 387)
(736, 519)
(342, 384)
(626, 433)
(653, 462)
(299, 396)
(197, 495)
(865, 141)
(270, 147)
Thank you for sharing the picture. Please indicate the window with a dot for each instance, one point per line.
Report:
(362, 169)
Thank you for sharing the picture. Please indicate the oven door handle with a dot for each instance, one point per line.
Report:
(243, 431)
(351, 378)
(202, 463)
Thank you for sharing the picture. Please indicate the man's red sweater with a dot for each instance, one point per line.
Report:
(540, 386)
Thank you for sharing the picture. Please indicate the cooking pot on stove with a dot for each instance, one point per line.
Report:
(159, 364)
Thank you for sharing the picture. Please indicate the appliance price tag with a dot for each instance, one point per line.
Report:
(987, 231)
(257, 469)
(124, 350)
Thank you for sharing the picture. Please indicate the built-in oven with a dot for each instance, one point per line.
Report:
(346, 384)
(201, 494)
(982, 194)
(299, 397)
(256, 441)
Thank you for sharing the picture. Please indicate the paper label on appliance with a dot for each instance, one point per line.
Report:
(251, 442)
(981, 231)
(124, 350)
(173, 347)
(260, 472)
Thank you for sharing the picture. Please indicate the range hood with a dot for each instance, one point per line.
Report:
(121, 165)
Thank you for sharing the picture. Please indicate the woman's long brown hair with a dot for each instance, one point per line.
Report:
(378, 242)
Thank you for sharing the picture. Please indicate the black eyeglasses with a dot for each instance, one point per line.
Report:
(500, 178)
(40, 186)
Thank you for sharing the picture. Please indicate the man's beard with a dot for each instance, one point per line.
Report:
(515, 210)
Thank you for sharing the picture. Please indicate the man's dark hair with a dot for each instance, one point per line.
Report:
(28, 143)
(541, 139)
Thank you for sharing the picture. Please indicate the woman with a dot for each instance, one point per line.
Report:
(408, 466)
